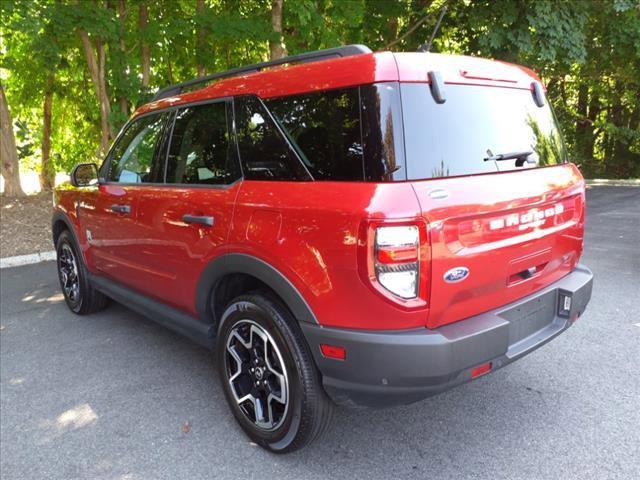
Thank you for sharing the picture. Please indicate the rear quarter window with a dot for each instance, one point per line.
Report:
(325, 128)
(350, 134)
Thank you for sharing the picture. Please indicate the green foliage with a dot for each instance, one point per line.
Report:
(587, 52)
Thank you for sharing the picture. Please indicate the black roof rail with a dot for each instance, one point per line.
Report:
(315, 56)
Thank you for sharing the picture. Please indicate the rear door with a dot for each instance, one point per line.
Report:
(185, 222)
(499, 229)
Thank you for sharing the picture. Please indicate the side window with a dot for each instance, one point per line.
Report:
(264, 153)
(136, 158)
(325, 128)
(201, 148)
(382, 132)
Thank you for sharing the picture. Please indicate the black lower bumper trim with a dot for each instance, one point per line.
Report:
(400, 367)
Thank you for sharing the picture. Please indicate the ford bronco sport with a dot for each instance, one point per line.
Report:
(340, 226)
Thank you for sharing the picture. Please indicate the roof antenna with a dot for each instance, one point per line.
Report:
(427, 46)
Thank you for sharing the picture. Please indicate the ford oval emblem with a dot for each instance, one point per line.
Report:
(456, 274)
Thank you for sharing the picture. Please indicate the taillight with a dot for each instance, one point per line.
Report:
(396, 259)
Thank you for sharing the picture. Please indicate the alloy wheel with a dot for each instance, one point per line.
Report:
(68, 271)
(257, 375)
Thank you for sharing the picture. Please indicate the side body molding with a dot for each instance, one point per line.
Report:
(249, 265)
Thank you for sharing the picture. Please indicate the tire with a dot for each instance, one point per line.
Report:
(79, 295)
(257, 332)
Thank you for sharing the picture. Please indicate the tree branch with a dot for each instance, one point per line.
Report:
(407, 33)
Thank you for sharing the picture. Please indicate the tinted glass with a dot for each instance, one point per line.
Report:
(382, 132)
(264, 152)
(136, 158)
(475, 123)
(201, 149)
(325, 128)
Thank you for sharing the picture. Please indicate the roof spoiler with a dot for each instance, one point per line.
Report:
(307, 57)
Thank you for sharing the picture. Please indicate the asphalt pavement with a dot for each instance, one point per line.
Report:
(115, 396)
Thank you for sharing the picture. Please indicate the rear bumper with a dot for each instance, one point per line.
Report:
(400, 367)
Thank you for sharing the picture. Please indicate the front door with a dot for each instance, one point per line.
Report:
(108, 214)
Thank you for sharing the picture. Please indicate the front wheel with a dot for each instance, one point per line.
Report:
(268, 375)
(79, 294)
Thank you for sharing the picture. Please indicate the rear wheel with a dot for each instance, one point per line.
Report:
(80, 296)
(268, 375)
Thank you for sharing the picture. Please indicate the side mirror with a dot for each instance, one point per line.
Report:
(84, 175)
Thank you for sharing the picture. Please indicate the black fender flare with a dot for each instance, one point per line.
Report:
(59, 216)
(255, 267)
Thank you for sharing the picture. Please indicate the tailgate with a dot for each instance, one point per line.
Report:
(515, 233)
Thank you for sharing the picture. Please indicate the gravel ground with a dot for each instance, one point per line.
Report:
(107, 396)
(26, 225)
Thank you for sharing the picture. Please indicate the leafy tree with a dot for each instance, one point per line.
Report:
(75, 70)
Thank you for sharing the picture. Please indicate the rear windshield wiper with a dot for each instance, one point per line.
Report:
(507, 156)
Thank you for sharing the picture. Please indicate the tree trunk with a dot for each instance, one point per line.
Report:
(104, 96)
(96, 69)
(170, 70)
(9, 167)
(584, 126)
(143, 16)
(276, 47)
(590, 140)
(617, 169)
(122, 16)
(392, 29)
(47, 171)
(201, 40)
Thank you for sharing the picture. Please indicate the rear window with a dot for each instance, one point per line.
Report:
(475, 126)
(201, 151)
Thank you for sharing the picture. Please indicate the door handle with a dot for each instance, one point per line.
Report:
(201, 219)
(126, 209)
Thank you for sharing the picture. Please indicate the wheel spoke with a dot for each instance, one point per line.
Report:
(261, 421)
(238, 360)
(238, 337)
(281, 397)
(255, 331)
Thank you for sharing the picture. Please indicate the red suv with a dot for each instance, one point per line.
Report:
(342, 226)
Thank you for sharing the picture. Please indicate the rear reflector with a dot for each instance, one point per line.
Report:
(332, 351)
(481, 370)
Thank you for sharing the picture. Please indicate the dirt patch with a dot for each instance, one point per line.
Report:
(25, 225)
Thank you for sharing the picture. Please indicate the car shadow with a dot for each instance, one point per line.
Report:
(120, 379)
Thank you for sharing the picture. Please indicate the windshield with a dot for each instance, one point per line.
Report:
(477, 130)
